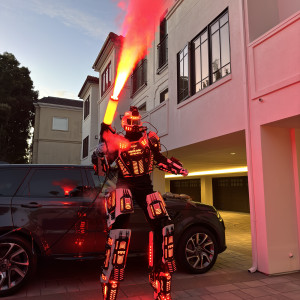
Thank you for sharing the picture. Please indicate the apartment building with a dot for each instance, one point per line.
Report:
(89, 93)
(221, 86)
(57, 131)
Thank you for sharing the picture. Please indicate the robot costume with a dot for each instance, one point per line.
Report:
(134, 155)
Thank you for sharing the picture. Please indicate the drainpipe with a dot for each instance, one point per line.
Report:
(249, 143)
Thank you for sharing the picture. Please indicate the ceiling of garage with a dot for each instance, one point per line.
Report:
(227, 151)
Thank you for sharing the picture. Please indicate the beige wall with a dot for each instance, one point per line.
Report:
(54, 146)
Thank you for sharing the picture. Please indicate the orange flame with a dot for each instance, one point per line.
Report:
(139, 33)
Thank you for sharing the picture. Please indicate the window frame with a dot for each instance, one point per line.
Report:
(85, 147)
(62, 118)
(192, 60)
(141, 68)
(106, 79)
(162, 47)
(86, 108)
(162, 95)
(187, 46)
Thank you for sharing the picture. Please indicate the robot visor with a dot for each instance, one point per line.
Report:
(133, 122)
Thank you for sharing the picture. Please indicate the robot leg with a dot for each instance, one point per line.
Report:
(117, 202)
(160, 269)
(160, 276)
(116, 250)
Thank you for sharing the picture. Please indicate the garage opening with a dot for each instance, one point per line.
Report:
(191, 187)
(231, 194)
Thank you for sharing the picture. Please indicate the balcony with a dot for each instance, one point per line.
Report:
(139, 77)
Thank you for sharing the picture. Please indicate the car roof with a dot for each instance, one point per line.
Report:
(45, 165)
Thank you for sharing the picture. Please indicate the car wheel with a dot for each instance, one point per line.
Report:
(197, 250)
(17, 264)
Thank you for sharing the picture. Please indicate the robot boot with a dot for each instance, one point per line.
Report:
(110, 290)
(160, 276)
(117, 245)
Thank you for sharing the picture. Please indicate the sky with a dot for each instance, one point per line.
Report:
(57, 40)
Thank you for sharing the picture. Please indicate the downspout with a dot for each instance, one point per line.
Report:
(249, 142)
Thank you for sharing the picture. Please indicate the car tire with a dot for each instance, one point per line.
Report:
(17, 264)
(197, 250)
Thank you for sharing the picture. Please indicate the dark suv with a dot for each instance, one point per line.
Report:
(57, 211)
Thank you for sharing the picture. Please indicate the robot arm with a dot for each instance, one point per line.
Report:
(100, 157)
(171, 165)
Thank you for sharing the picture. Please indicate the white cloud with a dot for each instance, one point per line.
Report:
(70, 16)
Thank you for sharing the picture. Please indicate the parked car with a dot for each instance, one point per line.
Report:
(57, 211)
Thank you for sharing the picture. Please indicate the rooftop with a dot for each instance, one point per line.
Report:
(89, 79)
(60, 101)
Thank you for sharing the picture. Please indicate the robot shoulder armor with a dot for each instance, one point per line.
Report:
(154, 140)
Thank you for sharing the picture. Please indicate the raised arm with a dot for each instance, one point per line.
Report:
(165, 164)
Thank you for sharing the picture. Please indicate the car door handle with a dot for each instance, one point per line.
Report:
(31, 205)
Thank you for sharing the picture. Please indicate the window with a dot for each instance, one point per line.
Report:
(54, 183)
(220, 48)
(86, 107)
(201, 72)
(164, 95)
(210, 58)
(162, 47)
(142, 107)
(139, 76)
(85, 147)
(183, 78)
(106, 79)
(10, 179)
(60, 124)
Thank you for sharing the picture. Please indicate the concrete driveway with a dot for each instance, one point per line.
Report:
(227, 280)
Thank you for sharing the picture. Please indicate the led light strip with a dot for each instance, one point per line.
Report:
(212, 172)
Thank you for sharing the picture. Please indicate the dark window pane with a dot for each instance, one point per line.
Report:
(55, 183)
(203, 37)
(196, 43)
(215, 51)
(214, 27)
(185, 67)
(224, 19)
(185, 51)
(181, 68)
(225, 49)
(197, 65)
(10, 180)
(164, 95)
(181, 55)
(204, 59)
(205, 82)
(226, 70)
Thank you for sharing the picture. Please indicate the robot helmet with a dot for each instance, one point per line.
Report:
(131, 121)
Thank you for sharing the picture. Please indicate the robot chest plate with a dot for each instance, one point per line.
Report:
(136, 160)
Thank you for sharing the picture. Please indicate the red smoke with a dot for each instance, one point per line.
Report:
(141, 20)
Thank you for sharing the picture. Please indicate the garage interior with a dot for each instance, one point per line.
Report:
(228, 192)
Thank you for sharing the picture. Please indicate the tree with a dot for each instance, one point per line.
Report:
(16, 109)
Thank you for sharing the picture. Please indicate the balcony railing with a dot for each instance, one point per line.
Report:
(139, 76)
(162, 49)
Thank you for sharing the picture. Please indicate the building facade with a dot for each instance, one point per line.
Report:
(57, 131)
(221, 86)
(89, 93)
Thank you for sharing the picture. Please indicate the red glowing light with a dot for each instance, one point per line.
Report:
(138, 29)
(114, 141)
